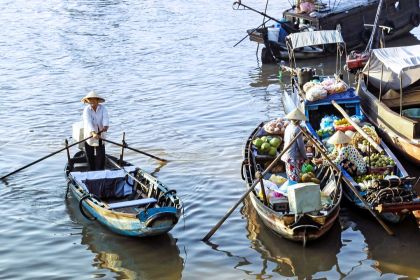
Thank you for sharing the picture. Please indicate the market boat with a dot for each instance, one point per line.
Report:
(349, 17)
(278, 213)
(389, 89)
(392, 198)
(126, 200)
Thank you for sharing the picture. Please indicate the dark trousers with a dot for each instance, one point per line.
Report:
(96, 159)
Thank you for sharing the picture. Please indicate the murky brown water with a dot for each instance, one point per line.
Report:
(176, 86)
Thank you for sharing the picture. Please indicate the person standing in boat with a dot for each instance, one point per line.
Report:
(295, 156)
(95, 123)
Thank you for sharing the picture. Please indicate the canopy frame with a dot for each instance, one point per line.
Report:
(409, 62)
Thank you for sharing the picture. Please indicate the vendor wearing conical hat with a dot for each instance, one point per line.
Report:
(95, 123)
(295, 156)
(345, 154)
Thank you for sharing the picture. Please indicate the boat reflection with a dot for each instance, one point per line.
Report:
(264, 76)
(399, 254)
(292, 259)
(130, 258)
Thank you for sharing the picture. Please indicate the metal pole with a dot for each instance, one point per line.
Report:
(380, 83)
(122, 149)
(68, 151)
(400, 94)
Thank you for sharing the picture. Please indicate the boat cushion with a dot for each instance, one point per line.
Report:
(131, 203)
(106, 183)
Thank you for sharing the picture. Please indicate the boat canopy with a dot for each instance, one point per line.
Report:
(313, 38)
(392, 66)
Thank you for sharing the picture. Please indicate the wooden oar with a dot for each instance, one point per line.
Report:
(135, 150)
(350, 185)
(357, 127)
(41, 159)
(216, 227)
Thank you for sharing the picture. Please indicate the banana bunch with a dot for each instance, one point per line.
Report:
(341, 122)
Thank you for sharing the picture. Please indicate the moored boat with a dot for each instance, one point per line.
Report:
(349, 17)
(123, 197)
(402, 198)
(276, 212)
(389, 89)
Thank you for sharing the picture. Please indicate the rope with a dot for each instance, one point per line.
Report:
(372, 36)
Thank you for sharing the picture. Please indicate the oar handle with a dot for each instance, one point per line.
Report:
(41, 159)
(133, 149)
(350, 185)
(216, 227)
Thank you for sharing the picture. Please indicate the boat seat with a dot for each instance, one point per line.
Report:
(131, 203)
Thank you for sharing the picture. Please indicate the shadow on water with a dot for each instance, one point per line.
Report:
(398, 254)
(291, 258)
(130, 258)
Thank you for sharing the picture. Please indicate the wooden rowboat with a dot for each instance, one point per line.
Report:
(126, 200)
(302, 227)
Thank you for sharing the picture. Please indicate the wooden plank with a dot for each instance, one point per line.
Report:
(131, 203)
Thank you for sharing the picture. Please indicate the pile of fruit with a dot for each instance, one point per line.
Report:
(267, 145)
(277, 179)
(276, 126)
(343, 125)
(378, 160)
(325, 132)
(368, 177)
(309, 177)
(366, 181)
(358, 138)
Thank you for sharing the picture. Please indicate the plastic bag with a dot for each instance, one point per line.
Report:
(315, 93)
(327, 122)
(307, 167)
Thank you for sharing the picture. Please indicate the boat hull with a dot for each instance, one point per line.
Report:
(382, 117)
(301, 228)
(127, 225)
(148, 209)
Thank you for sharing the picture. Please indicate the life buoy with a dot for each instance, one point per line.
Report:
(415, 20)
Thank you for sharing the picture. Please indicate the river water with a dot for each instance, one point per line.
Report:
(174, 83)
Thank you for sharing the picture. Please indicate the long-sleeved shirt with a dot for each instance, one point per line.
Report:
(350, 153)
(94, 121)
(297, 151)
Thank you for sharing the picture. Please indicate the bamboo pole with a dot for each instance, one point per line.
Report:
(222, 220)
(349, 184)
(357, 127)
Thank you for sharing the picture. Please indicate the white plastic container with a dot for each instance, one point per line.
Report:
(273, 34)
(78, 133)
(304, 197)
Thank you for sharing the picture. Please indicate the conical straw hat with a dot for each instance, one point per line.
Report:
(296, 114)
(349, 133)
(339, 138)
(92, 94)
